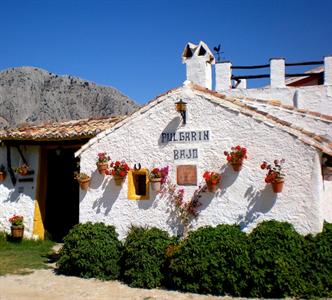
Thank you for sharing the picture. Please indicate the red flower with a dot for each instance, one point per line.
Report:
(263, 165)
(122, 173)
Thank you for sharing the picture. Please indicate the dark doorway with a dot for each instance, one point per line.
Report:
(62, 193)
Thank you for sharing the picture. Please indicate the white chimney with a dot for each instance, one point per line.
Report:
(223, 76)
(328, 70)
(277, 72)
(199, 60)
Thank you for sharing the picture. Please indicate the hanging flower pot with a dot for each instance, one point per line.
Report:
(155, 184)
(277, 186)
(102, 163)
(237, 166)
(118, 180)
(212, 180)
(236, 157)
(17, 231)
(102, 168)
(211, 187)
(2, 176)
(84, 184)
(157, 177)
(83, 179)
(22, 170)
(275, 174)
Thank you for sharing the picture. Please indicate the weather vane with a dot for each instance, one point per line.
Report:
(218, 52)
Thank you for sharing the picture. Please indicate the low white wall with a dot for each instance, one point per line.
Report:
(315, 98)
(18, 199)
(242, 198)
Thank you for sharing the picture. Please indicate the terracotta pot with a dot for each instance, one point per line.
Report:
(237, 166)
(155, 184)
(24, 171)
(118, 179)
(17, 231)
(102, 167)
(84, 184)
(211, 187)
(277, 186)
(2, 176)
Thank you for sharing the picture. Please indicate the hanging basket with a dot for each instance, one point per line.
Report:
(2, 176)
(118, 180)
(84, 184)
(277, 186)
(155, 184)
(102, 168)
(237, 166)
(17, 231)
(211, 187)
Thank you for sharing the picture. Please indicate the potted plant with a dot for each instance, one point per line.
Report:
(275, 176)
(212, 179)
(17, 227)
(22, 169)
(157, 177)
(102, 162)
(236, 157)
(119, 170)
(2, 173)
(83, 179)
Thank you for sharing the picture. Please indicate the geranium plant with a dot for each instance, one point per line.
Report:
(212, 179)
(103, 158)
(81, 176)
(275, 173)
(22, 169)
(159, 173)
(16, 220)
(236, 156)
(119, 168)
(102, 163)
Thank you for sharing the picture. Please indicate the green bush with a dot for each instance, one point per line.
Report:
(91, 250)
(211, 261)
(277, 254)
(319, 263)
(143, 260)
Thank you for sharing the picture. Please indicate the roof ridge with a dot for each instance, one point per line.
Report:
(281, 123)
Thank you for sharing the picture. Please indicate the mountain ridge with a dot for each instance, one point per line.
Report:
(34, 95)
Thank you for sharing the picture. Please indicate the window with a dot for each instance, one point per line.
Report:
(138, 184)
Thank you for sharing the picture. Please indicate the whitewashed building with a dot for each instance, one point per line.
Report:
(265, 121)
(155, 136)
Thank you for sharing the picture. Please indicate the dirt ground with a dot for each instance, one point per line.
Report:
(46, 285)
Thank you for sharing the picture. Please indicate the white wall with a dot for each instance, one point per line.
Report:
(315, 98)
(242, 198)
(18, 199)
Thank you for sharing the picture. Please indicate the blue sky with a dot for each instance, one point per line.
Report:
(135, 46)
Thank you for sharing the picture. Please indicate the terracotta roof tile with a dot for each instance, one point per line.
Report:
(68, 130)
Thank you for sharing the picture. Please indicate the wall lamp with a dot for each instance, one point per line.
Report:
(181, 107)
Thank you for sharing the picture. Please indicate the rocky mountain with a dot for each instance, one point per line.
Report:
(33, 95)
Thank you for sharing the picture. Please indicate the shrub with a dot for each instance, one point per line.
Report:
(277, 254)
(319, 263)
(144, 257)
(211, 261)
(91, 250)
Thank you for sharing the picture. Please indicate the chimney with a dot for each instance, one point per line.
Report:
(199, 60)
(223, 76)
(328, 70)
(277, 72)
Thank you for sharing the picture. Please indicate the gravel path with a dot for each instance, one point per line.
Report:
(46, 285)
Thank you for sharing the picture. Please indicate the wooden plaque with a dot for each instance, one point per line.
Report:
(186, 175)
